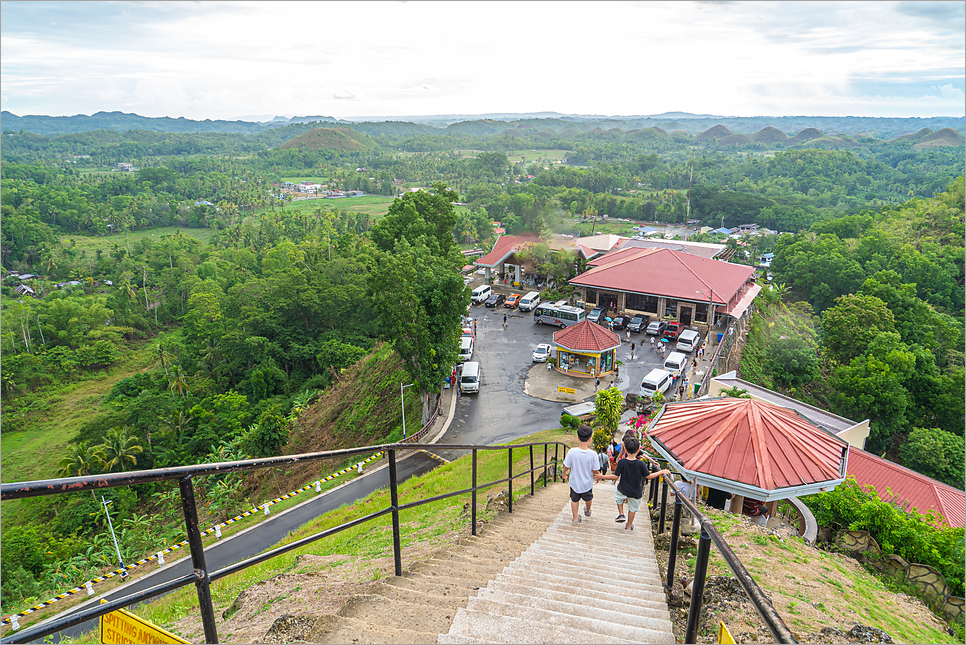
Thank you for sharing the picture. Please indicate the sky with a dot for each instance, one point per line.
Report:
(256, 60)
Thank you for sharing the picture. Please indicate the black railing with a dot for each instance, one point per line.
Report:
(709, 534)
(200, 576)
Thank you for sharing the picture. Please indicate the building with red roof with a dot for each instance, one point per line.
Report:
(586, 349)
(503, 255)
(668, 284)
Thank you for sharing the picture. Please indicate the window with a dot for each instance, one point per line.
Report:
(638, 302)
(592, 296)
(670, 308)
(701, 312)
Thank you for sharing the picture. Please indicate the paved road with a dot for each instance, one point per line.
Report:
(271, 531)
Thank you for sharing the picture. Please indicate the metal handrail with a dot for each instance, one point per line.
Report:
(201, 577)
(761, 602)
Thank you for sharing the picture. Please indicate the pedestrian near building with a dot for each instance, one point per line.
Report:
(633, 345)
(628, 335)
(652, 342)
(504, 321)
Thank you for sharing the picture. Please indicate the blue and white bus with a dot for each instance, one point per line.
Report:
(558, 314)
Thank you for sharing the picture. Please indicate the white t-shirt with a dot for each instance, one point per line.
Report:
(582, 464)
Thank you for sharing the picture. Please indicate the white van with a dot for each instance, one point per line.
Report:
(470, 377)
(481, 293)
(676, 363)
(688, 341)
(656, 381)
(529, 301)
(466, 348)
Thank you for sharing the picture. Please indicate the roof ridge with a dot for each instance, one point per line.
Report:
(680, 260)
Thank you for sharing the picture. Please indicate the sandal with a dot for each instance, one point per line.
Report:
(587, 512)
(620, 518)
(577, 521)
(628, 528)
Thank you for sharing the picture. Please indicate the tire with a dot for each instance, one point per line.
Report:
(539, 322)
(563, 326)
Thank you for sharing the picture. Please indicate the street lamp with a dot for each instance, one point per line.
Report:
(402, 399)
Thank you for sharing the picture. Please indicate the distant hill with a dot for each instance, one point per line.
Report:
(805, 135)
(736, 140)
(341, 139)
(945, 137)
(769, 135)
(717, 132)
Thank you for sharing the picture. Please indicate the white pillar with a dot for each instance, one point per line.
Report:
(516, 273)
(486, 275)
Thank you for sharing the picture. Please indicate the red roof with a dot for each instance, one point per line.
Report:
(586, 336)
(908, 487)
(504, 247)
(749, 441)
(666, 272)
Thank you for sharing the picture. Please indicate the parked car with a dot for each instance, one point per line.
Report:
(639, 323)
(673, 330)
(495, 300)
(621, 322)
(595, 315)
(542, 353)
(512, 301)
(481, 293)
(657, 327)
(468, 333)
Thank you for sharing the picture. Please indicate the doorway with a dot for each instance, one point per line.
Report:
(686, 316)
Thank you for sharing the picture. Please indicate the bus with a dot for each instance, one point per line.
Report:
(558, 314)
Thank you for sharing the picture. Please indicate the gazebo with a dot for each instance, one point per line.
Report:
(748, 447)
(586, 349)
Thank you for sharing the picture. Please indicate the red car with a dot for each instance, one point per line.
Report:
(673, 330)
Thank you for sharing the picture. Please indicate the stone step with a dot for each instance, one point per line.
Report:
(568, 593)
(389, 612)
(557, 549)
(481, 573)
(558, 569)
(523, 575)
(586, 564)
(658, 633)
(617, 539)
(434, 586)
(601, 525)
(338, 629)
(591, 544)
(458, 638)
(443, 582)
(506, 629)
(416, 596)
(612, 612)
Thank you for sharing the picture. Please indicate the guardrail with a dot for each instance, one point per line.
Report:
(201, 577)
(709, 534)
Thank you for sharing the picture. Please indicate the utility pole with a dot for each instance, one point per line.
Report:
(113, 536)
(402, 399)
(687, 217)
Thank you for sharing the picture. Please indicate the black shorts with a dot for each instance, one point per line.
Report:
(576, 497)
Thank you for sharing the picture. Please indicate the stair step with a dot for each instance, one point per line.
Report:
(445, 583)
(576, 571)
(595, 539)
(434, 586)
(433, 569)
(637, 568)
(338, 629)
(389, 612)
(564, 592)
(612, 612)
(458, 638)
(417, 596)
(556, 549)
(522, 575)
(622, 630)
(507, 629)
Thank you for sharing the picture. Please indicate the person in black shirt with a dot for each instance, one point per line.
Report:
(717, 498)
(631, 473)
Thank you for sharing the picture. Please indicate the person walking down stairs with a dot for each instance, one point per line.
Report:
(583, 467)
(631, 473)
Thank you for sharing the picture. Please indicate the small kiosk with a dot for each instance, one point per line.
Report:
(586, 349)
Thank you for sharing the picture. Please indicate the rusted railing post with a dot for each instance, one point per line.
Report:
(198, 559)
(672, 557)
(394, 501)
(473, 502)
(532, 475)
(545, 451)
(556, 447)
(509, 461)
(697, 587)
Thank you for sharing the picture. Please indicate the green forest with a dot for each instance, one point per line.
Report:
(221, 306)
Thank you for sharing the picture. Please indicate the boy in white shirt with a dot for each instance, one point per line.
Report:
(583, 466)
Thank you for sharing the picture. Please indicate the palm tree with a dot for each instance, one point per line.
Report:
(164, 357)
(82, 460)
(120, 448)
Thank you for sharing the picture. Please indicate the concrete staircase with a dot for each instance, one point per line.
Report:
(519, 581)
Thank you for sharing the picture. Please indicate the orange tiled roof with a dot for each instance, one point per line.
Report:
(751, 442)
(586, 336)
(505, 246)
(908, 487)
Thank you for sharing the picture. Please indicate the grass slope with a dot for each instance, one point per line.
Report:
(342, 139)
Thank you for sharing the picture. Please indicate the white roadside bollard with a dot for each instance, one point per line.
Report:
(14, 622)
(160, 558)
(218, 531)
(359, 468)
(266, 505)
(89, 587)
(318, 487)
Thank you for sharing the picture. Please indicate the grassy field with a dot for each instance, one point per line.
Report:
(547, 156)
(91, 243)
(375, 205)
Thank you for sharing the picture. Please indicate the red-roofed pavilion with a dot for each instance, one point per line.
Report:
(749, 447)
(586, 349)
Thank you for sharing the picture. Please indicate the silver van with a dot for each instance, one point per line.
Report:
(656, 381)
(470, 377)
(688, 341)
(529, 301)
(481, 293)
(466, 348)
(676, 363)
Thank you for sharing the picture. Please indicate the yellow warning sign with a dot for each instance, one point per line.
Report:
(724, 636)
(123, 627)
(565, 390)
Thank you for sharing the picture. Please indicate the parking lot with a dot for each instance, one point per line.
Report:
(501, 410)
